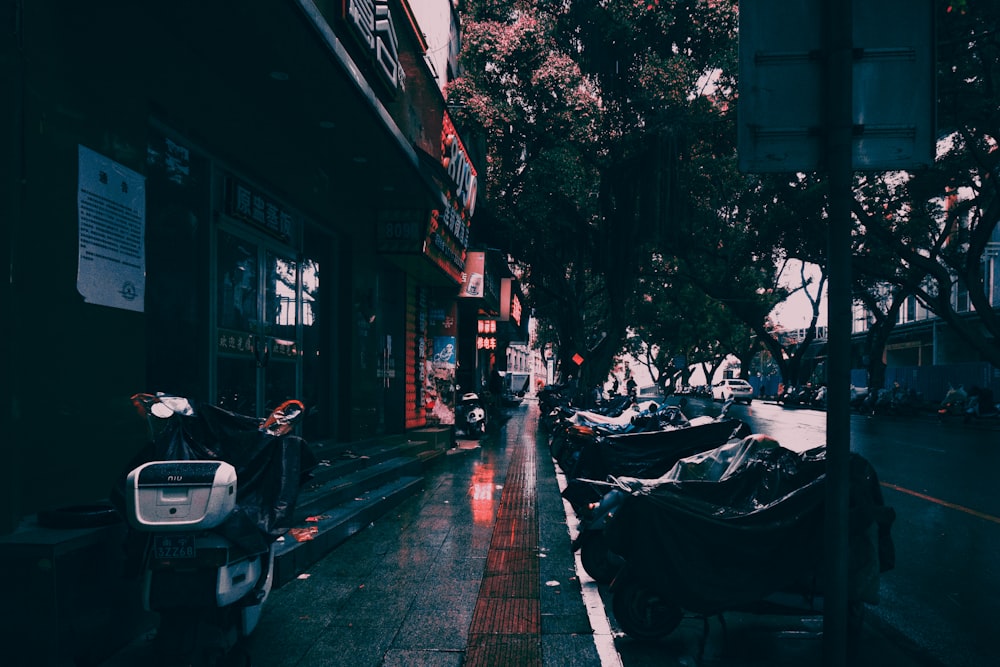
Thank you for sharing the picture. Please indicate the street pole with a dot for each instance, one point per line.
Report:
(838, 121)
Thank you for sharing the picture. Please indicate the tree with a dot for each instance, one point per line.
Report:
(930, 233)
(578, 101)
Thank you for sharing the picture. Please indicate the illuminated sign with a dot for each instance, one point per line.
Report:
(487, 338)
(444, 249)
(474, 276)
(455, 159)
(416, 232)
(371, 23)
(510, 301)
(515, 310)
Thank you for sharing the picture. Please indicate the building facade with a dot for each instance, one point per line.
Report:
(234, 203)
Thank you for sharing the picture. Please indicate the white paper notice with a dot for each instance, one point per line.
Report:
(111, 206)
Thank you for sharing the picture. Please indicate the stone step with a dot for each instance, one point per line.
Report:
(325, 490)
(313, 538)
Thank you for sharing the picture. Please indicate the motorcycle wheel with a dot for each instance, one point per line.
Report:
(642, 613)
(190, 638)
(596, 557)
(556, 445)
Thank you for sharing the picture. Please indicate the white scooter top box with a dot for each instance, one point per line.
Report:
(180, 495)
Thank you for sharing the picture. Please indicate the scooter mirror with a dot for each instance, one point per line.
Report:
(172, 404)
(160, 410)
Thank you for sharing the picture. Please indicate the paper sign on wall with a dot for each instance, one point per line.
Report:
(111, 211)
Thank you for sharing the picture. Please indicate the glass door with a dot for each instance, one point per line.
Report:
(257, 333)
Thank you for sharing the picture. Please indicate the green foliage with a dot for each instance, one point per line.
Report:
(612, 180)
(612, 143)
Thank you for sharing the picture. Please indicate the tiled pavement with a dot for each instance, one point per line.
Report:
(470, 572)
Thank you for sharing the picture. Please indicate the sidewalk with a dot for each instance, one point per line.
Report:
(477, 570)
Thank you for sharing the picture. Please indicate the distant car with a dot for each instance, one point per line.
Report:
(738, 390)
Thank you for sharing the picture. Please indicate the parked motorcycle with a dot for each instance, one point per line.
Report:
(205, 501)
(633, 462)
(643, 453)
(893, 400)
(574, 430)
(955, 402)
(981, 405)
(858, 397)
(806, 396)
(552, 396)
(597, 559)
(470, 415)
(974, 404)
(740, 528)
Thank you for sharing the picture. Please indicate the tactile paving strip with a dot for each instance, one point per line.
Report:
(506, 624)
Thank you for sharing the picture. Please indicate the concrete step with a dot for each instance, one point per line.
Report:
(312, 539)
(352, 486)
(327, 490)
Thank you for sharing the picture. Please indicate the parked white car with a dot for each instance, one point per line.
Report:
(740, 391)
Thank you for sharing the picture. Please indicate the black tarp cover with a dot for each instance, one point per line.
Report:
(729, 527)
(652, 453)
(269, 469)
(646, 454)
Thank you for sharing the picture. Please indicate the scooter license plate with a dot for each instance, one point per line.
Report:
(177, 545)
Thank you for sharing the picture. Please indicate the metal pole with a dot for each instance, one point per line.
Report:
(839, 120)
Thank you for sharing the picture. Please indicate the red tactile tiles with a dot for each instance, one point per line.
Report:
(506, 623)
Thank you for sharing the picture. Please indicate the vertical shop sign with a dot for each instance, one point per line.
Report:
(371, 23)
(111, 214)
(455, 159)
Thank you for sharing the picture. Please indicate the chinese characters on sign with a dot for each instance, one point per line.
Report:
(515, 310)
(371, 22)
(401, 230)
(245, 343)
(111, 212)
(456, 160)
(245, 203)
(487, 338)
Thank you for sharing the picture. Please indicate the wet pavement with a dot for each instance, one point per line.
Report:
(478, 570)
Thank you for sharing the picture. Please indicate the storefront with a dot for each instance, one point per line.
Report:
(479, 309)
(210, 203)
(431, 248)
(207, 206)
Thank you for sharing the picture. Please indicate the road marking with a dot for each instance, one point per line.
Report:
(943, 503)
(604, 639)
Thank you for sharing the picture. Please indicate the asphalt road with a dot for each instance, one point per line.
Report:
(944, 593)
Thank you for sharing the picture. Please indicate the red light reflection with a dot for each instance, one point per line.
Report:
(481, 491)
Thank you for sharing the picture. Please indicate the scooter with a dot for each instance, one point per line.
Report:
(597, 559)
(740, 528)
(470, 415)
(212, 493)
(975, 404)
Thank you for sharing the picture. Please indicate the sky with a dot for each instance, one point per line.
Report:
(796, 311)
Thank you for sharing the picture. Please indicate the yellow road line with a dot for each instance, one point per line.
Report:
(943, 503)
